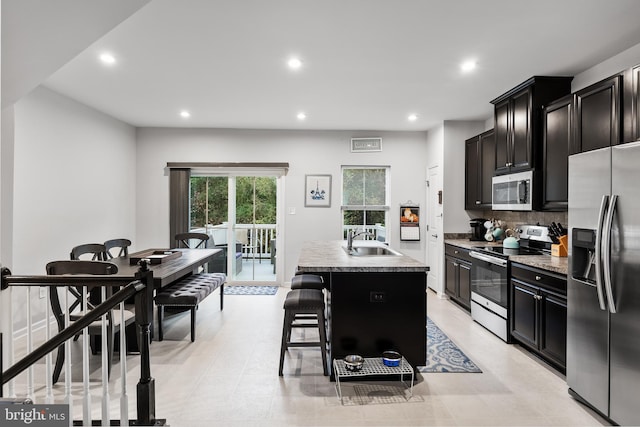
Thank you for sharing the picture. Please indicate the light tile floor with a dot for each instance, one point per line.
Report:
(229, 377)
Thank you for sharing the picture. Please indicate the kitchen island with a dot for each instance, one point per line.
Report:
(374, 302)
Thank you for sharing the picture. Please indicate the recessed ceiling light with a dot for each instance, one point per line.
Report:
(294, 63)
(412, 117)
(468, 66)
(107, 58)
(301, 116)
(185, 114)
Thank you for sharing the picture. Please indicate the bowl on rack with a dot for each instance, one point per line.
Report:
(353, 362)
(391, 358)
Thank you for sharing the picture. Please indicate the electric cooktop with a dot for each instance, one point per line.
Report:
(506, 251)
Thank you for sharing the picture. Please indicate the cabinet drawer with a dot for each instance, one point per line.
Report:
(457, 252)
(545, 279)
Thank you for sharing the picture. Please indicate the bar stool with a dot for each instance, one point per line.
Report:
(307, 281)
(303, 301)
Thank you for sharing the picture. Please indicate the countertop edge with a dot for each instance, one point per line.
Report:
(559, 265)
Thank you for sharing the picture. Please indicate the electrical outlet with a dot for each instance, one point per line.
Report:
(43, 292)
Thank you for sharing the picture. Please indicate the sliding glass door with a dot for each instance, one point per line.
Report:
(239, 213)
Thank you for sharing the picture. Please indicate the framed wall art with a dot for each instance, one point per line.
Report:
(317, 191)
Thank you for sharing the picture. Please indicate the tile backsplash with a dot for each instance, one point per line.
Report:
(513, 217)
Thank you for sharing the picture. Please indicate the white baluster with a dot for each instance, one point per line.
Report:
(68, 398)
(86, 396)
(105, 362)
(124, 402)
(48, 370)
(29, 345)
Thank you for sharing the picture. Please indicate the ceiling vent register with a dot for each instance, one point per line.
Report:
(366, 145)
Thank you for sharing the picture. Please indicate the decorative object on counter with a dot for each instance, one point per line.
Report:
(353, 362)
(443, 355)
(250, 290)
(409, 221)
(391, 358)
(317, 191)
(494, 230)
(560, 249)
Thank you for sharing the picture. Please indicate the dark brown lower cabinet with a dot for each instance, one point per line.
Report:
(539, 313)
(458, 275)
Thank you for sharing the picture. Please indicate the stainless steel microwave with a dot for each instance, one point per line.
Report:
(512, 192)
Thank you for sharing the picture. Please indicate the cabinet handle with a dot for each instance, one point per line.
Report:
(538, 278)
(455, 264)
(538, 297)
(477, 202)
(455, 252)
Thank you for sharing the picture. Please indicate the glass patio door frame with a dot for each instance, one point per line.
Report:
(232, 227)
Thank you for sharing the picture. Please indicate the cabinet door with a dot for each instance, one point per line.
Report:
(524, 318)
(451, 276)
(555, 162)
(521, 140)
(502, 131)
(472, 196)
(487, 148)
(553, 327)
(464, 284)
(597, 115)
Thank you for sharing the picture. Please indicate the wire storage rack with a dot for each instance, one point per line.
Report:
(372, 367)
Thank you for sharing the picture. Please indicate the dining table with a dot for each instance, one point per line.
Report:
(169, 271)
(164, 273)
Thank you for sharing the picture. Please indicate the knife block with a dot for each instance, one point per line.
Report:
(560, 250)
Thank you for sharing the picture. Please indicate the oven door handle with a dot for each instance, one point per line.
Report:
(486, 258)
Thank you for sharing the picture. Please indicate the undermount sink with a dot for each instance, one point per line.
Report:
(370, 251)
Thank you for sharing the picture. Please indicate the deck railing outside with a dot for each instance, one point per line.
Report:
(257, 238)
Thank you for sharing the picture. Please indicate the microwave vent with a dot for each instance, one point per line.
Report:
(366, 145)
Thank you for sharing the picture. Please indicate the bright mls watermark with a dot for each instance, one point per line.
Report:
(34, 415)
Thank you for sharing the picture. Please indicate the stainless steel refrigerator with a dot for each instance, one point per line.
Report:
(603, 289)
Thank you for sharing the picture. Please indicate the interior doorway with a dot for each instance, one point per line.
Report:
(434, 229)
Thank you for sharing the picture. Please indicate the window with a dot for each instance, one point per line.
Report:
(365, 200)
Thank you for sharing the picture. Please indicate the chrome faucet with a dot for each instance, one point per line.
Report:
(352, 234)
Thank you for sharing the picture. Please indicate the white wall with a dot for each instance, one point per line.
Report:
(456, 219)
(74, 179)
(307, 152)
(609, 67)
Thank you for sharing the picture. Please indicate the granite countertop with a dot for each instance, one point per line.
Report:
(324, 256)
(554, 264)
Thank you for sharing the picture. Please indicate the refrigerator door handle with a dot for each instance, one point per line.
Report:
(606, 248)
(598, 247)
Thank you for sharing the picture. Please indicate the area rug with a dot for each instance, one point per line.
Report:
(443, 355)
(250, 290)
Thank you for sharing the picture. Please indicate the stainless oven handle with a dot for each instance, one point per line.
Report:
(492, 260)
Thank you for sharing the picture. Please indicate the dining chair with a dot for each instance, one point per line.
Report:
(121, 244)
(95, 328)
(97, 251)
(192, 240)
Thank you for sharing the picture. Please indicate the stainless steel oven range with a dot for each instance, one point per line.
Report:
(490, 275)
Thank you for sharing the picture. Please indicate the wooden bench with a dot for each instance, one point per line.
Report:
(189, 292)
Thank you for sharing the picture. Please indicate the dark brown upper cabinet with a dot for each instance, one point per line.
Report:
(558, 130)
(518, 122)
(480, 153)
(598, 117)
